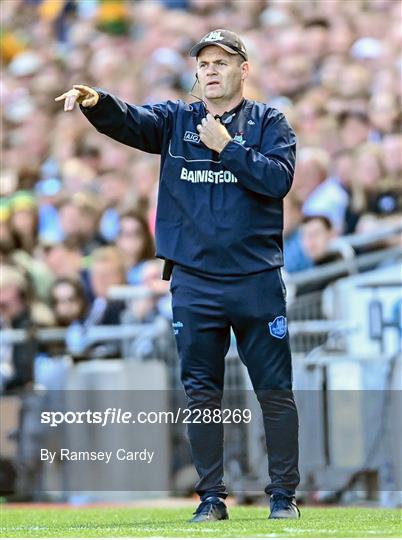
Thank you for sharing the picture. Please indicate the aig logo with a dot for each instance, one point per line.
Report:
(191, 137)
(214, 36)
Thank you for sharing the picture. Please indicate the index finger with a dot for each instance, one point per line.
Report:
(59, 98)
(70, 102)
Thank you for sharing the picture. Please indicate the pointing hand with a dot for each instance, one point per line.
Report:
(84, 95)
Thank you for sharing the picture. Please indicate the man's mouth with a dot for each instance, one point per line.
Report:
(213, 83)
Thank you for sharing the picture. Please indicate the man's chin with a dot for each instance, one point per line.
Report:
(213, 93)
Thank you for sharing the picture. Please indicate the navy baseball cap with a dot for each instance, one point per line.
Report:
(227, 40)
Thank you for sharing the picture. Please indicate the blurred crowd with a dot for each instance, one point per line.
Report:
(77, 209)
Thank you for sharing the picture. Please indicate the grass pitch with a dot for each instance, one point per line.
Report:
(245, 521)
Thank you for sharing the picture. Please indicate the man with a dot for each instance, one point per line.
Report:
(309, 244)
(316, 236)
(17, 361)
(227, 163)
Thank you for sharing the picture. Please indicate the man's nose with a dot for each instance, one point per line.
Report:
(211, 70)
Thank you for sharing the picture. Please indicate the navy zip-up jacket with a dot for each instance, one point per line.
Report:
(217, 213)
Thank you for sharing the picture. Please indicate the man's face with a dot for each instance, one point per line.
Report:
(315, 239)
(11, 302)
(105, 274)
(63, 261)
(220, 74)
(354, 132)
(70, 219)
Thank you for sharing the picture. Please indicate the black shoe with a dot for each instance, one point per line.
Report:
(283, 507)
(212, 509)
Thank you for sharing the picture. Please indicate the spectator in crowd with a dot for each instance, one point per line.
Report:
(354, 128)
(310, 121)
(342, 176)
(90, 155)
(154, 309)
(316, 236)
(63, 259)
(68, 301)
(37, 271)
(311, 170)
(391, 184)
(385, 114)
(135, 244)
(329, 197)
(311, 244)
(317, 191)
(24, 221)
(70, 308)
(113, 191)
(143, 178)
(392, 153)
(17, 361)
(18, 310)
(294, 257)
(47, 192)
(7, 246)
(158, 301)
(367, 178)
(106, 269)
(85, 304)
(79, 220)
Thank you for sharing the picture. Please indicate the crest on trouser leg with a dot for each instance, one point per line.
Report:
(278, 327)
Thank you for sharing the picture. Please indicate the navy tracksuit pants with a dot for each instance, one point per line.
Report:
(205, 307)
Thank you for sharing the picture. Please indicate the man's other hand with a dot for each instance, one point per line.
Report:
(84, 95)
(213, 134)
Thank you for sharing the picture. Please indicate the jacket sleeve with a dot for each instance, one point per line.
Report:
(269, 171)
(142, 127)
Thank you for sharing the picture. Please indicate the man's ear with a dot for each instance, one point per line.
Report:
(245, 68)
